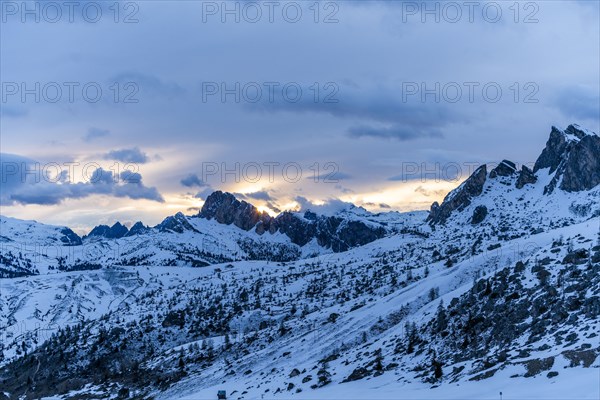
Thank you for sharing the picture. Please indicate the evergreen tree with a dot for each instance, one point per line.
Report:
(181, 361)
(436, 367)
(441, 321)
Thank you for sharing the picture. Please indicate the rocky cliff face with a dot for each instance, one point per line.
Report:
(118, 231)
(552, 155)
(299, 230)
(332, 232)
(177, 223)
(460, 197)
(505, 168)
(138, 229)
(526, 176)
(573, 155)
(69, 237)
(582, 167)
(226, 209)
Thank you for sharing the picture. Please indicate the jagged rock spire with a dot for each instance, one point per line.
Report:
(459, 198)
(573, 155)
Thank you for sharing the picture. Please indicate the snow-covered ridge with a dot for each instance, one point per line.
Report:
(504, 290)
(351, 309)
(570, 161)
(575, 132)
(227, 229)
(28, 247)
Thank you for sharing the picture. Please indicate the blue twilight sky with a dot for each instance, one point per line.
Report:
(136, 110)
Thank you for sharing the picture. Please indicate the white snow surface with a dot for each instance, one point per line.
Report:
(522, 224)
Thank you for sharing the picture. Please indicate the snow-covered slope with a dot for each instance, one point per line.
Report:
(317, 315)
(29, 248)
(495, 290)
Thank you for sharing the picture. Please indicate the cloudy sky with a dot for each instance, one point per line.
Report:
(136, 110)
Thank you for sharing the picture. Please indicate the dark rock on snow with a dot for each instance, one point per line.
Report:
(459, 198)
(526, 176)
(177, 223)
(479, 215)
(505, 168)
(116, 231)
(332, 232)
(575, 157)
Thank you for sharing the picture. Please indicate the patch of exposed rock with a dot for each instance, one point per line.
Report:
(459, 198)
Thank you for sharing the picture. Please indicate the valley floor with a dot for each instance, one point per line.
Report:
(570, 384)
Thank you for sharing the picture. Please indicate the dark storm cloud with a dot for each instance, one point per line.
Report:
(260, 195)
(23, 182)
(134, 155)
(192, 180)
(369, 131)
(395, 132)
(273, 207)
(130, 177)
(387, 113)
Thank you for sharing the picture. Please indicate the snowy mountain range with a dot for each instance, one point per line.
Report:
(494, 289)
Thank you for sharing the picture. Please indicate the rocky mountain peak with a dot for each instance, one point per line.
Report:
(225, 208)
(526, 176)
(99, 230)
(459, 198)
(69, 238)
(553, 153)
(138, 229)
(573, 155)
(116, 231)
(505, 168)
(578, 132)
(177, 223)
(333, 232)
(582, 166)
